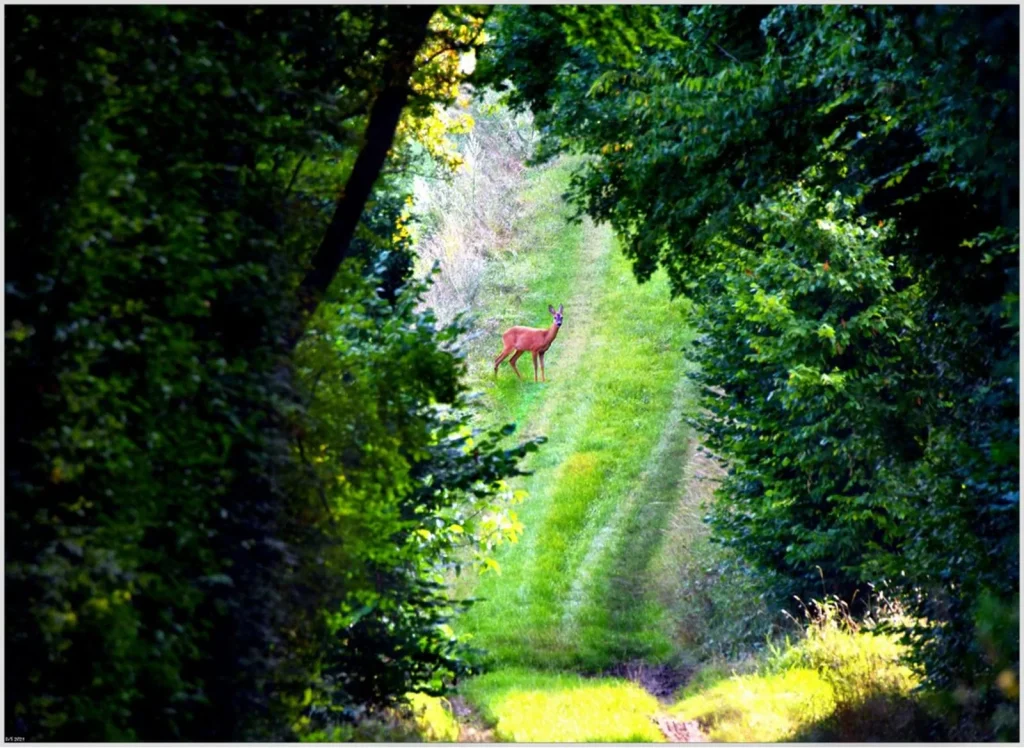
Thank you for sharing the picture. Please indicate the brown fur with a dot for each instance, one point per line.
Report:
(537, 340)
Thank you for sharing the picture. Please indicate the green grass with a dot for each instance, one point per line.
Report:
(434, 718)
(615, 565)
(718, 607)
(517, 290)
(532, 706)
(573, 593)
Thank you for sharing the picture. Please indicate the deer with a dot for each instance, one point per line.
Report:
(536, 340)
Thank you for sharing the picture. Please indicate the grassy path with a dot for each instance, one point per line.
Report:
(615, 571)
(575, 595)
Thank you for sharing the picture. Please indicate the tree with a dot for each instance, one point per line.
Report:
(175, 168)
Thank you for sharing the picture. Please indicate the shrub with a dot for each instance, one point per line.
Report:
(397, 484)
(469, 218)
(806, 350)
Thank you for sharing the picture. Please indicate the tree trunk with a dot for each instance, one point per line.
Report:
(380, 134)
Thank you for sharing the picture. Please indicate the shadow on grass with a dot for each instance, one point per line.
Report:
(881, 718)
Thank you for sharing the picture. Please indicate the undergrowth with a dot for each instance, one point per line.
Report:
(839, 681)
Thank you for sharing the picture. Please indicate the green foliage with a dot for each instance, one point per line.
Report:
(183, 567)
(837, 188)
(808, 425)
(406, 483)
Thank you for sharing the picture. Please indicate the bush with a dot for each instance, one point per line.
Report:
(469, 218)
(806, 352)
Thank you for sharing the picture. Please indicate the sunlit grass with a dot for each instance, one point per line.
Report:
(601, 482)
(422, 718)
(434, 718)
(832, 684)
(858, 666)
(760, 708)
(531, 706)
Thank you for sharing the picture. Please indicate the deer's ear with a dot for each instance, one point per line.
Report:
(551, 309)
(560, 307)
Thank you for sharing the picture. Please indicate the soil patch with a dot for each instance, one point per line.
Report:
(471, 727)
(661, 681)
(680, 732)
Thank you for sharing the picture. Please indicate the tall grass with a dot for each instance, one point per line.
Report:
(471, 219)
(720, 609)
(836, 682)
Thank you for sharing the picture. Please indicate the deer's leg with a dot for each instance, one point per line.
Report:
(501, 357)
(513, 360)
(535, 355)
(542, 377)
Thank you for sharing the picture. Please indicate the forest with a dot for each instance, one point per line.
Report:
(268, 477)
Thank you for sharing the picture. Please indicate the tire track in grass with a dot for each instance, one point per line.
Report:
(595, 247)
(604, 421)
(573, 595)
(615, 468)
(610, 591)
(490, 623)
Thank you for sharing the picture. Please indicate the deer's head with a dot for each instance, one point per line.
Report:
(557, 315)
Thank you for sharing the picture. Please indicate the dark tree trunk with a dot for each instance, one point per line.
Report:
(380, 134)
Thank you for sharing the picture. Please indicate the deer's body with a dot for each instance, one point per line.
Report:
(517, 340)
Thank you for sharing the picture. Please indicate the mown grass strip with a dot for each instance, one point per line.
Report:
(605, 415)
(618, 615)
(571, 594)
(501, 624)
